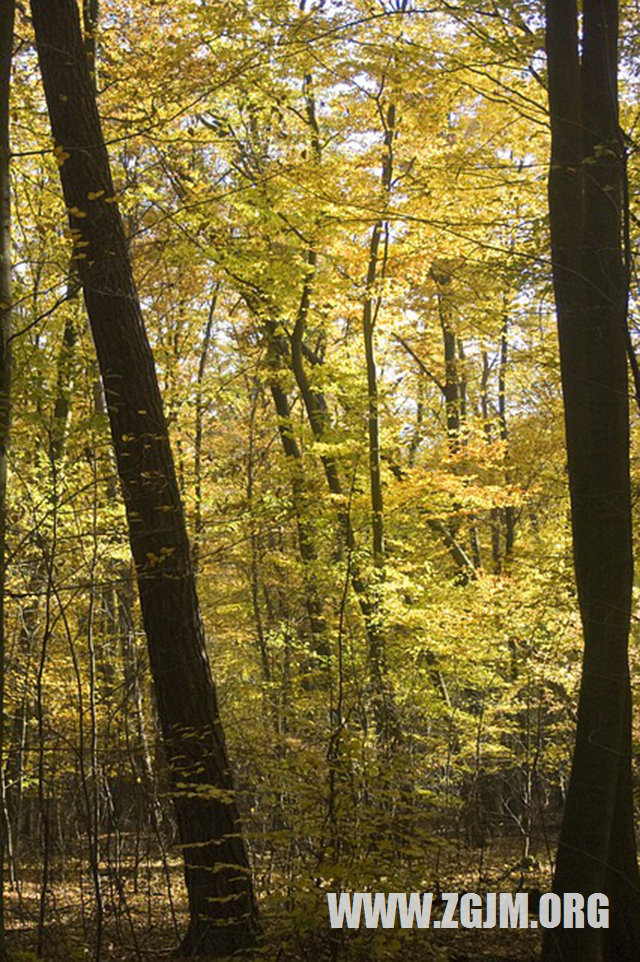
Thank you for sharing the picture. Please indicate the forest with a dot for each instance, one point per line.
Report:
(319, 475)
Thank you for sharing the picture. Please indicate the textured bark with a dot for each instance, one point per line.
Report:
(7, 12)
(597, 851)
(222, 908)
(90, 16)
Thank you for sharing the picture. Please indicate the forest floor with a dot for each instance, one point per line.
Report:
(141, 920)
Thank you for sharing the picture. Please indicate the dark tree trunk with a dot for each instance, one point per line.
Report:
(441, 274)
(7, 11)
(90, 16)
(597, 851)
(509, 511)
(221, 903)
(199, 422)
(375, 272)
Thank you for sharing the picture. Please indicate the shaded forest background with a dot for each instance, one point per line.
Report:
(337, 219)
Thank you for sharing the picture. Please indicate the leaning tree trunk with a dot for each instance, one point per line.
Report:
(221, 903)
(597, 851)
(7, 12)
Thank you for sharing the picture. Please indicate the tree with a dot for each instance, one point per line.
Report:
(597, 850)
(7, 13)
(221, 904)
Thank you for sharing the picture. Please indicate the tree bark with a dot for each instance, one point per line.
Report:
(597, 851)
(221, 904)
(7, 13)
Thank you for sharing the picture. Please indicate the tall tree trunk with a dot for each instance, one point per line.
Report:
(221, 902)
(7, 12)
(378, 248)
(277, 350)
(318, 415)
(509, 510)
(597, 851)
(454, 390)
(376, 271)
(199, 422)
(496, 551)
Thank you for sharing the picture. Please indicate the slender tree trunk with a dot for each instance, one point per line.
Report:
(379, 237)
(133, 697)
(509, 511)
(7, 12)
(467, 567)
(454, 390)
(441, 274)
(65, 375)
(597, 850)
(16, 743)
(376, 267)
(496, 548)
(318, 415)
(254, 539)
(475, 550)
(278, 351)
(221, 903)
(199, 423)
